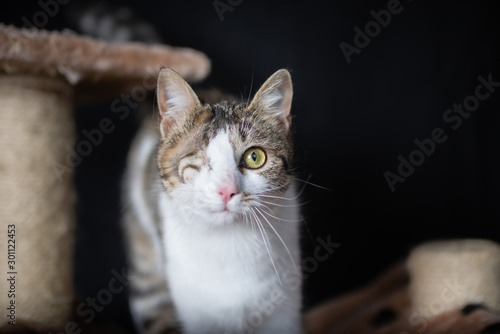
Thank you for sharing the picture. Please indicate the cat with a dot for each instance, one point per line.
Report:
(212, 224)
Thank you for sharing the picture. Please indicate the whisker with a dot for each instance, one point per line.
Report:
(261, 228)
(271, 212)
(281, 219)
(268, 190)
(243, 121)
(262, 205)
(279, 237)
(250, 92)
(286, 206)
(279, 197)
(249, 220)
(312, 184)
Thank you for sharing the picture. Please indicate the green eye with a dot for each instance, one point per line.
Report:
(253, 158)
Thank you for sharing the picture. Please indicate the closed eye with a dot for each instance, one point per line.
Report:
(189, 165)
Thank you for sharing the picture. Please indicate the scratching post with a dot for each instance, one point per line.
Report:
(447, 275)
(35, 124)
(42, 74)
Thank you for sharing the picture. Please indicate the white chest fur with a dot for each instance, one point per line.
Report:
(233, 279)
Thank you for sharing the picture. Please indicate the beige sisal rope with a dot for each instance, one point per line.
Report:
(36, 123)
(447, 275)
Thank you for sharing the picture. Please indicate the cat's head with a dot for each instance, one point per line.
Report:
(219, 162)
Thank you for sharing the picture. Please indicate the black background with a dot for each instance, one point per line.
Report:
(351, 122)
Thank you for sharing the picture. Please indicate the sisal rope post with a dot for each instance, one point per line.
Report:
(36, 123)
(447, 275)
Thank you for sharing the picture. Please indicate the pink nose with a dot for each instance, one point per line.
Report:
(227, 192)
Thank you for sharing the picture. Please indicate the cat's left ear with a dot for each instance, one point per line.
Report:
(274, 98)
(176, 99)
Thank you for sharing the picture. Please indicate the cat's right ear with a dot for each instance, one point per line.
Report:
(175, 99)
(274, 98)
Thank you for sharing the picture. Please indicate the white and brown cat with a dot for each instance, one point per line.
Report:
(212, 221)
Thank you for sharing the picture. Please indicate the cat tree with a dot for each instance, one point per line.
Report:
(42, 74)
